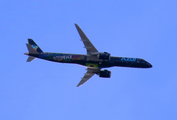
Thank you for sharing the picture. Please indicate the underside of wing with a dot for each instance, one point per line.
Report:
(90, 72)
(87, 44)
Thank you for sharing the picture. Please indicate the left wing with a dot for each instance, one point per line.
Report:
(90, 72)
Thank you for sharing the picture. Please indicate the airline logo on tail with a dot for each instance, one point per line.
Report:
(35, 47)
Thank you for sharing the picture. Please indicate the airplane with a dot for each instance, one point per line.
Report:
(93, 60)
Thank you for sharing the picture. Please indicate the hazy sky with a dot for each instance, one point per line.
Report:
(42, 90)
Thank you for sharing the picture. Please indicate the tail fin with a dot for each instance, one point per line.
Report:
(35, 46)
(31, 51)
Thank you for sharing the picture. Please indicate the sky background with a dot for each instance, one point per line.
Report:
(42, 90)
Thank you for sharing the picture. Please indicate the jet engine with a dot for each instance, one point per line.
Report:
(104, 73)
(104, 56)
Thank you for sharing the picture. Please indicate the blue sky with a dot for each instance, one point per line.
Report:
(47, 91)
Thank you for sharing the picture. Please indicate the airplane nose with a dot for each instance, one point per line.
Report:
(149, 65)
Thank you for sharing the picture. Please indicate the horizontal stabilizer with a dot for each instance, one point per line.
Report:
(31, 50)
(30, 58)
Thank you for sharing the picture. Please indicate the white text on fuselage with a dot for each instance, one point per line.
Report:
(65, 57)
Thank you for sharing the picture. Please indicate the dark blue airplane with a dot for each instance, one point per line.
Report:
(93, 60)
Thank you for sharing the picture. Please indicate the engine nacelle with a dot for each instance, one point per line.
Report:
(105, 74)
(104, 56)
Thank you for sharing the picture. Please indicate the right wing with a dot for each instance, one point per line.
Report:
(87, 44)
(90, 72)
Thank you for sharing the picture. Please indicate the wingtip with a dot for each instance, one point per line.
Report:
(76, 25)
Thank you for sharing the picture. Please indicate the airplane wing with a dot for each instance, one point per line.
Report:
(90, 72)
(87, 44)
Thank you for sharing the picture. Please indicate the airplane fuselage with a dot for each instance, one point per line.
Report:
(82, 60)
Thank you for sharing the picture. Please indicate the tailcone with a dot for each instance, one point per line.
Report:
(26, 53)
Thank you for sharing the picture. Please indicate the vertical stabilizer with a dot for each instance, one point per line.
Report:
(34, 46)
(33, 49)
